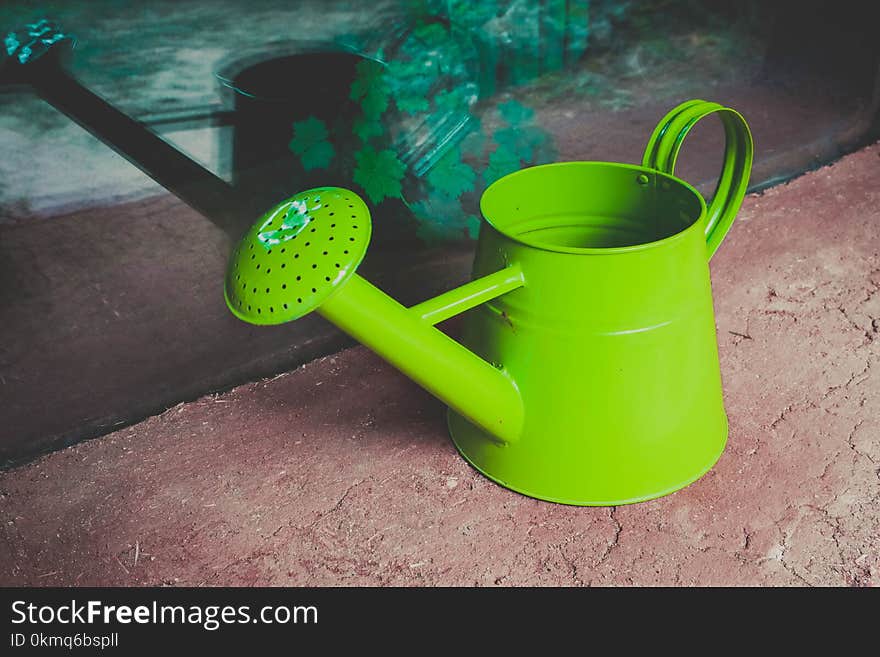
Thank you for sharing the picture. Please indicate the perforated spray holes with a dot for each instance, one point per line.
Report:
(272, 281)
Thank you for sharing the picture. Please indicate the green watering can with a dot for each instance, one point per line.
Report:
(589, 373)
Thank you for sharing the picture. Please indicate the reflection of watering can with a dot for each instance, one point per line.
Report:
(590, 373)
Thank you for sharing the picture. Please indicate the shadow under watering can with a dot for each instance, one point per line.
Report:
(588, 373)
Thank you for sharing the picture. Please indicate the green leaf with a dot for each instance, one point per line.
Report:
(370, 88)
(533, 138)
(429, 34)
(525, 142)
(318, 156)
(368, 75)
(411, 76)
(422, 10)
(379, 173)
(375, 102)
(515, 113)
(409, 83)
(310, 143)
(470, 14)
(411, 104)
(451, 100)
(452, 176)
(306, 134)
(366, 127)
(501, 162)
(508, 138)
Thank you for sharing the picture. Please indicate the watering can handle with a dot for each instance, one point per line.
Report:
(665, 143)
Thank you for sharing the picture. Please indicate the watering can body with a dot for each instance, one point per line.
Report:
(587, 372)
(612, 348)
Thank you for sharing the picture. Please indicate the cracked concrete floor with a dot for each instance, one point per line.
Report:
(340, 473)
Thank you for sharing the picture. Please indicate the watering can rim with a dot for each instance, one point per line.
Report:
(610, 250)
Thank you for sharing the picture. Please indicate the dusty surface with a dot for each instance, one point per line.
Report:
(341, 473)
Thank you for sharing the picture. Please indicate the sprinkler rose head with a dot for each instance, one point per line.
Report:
(297, 255)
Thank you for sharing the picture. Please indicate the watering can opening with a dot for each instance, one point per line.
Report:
(592, 208)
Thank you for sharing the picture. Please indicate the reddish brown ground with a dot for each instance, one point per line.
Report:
(341, 473)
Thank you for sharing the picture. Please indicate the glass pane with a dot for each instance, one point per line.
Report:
(112, 285)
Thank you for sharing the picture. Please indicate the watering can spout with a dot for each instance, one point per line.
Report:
(301, 257)
(407, 339)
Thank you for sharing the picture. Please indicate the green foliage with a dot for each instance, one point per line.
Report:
(452, 176)
(429, 68)
(508, 138)
(427, 82)
(368, 75)
(469, 14)
(518, 143)
(379, 173)
(502, 161)
(426, 35)
(525, 142)
(370, 89)
(366, 127)
(375, 103)
(411, 104)
(410, 77)
(421, 10)
(515, 113)
(451, 100)
(310, 143)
